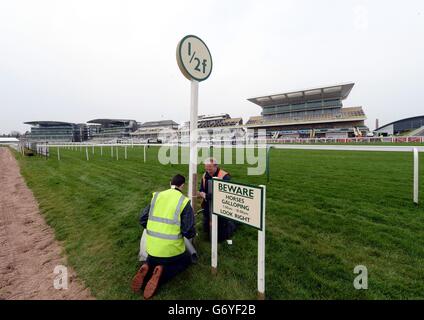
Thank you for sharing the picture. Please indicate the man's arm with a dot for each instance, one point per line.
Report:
(188, 229)
(201, 189)
(145, 216)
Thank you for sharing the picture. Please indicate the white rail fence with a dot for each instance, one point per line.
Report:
(43, 149)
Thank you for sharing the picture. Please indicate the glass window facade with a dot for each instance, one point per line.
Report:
(305, 107)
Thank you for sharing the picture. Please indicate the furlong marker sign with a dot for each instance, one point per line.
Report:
(242, 203)
(195, 62)
(194, 58)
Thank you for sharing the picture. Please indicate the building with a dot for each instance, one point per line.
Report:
(111, 129)
(162, 130)
(313, 113)
(57, 131)
(413, 126)
(214, 128)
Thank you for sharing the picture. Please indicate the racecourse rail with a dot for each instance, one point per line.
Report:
(43, 149)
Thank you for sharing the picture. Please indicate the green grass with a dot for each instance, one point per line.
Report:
(327, 211)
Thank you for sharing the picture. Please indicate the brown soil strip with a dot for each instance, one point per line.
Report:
(29, 252)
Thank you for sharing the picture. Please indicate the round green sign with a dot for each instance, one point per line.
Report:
(194, 58)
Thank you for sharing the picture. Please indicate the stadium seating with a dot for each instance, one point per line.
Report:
(304, 117)
(216, 123)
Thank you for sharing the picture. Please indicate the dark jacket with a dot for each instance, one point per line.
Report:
(187, 220)
(205, 189)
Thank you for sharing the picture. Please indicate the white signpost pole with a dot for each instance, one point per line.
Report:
(261, 251)
(195, 62)
(193, 142)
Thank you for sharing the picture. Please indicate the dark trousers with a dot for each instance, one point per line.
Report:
(226, 227)
(171, 266)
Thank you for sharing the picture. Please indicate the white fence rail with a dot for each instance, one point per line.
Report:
(43, 149)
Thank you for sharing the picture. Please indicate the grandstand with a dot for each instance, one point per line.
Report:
(221, 125)
(313, 113)
(111, 129)
(156, 130)
(413, 126)
(56, 131)
(219, 120)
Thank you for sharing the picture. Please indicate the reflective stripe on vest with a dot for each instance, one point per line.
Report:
(163, 235)
(175, 221)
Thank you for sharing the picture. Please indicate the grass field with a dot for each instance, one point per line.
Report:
(327, 211)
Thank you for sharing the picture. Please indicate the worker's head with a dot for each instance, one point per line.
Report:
(178, 181)
(211, 166)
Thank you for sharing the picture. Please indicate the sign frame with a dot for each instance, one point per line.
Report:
(181, 65)
(261, 235)
(216, 180)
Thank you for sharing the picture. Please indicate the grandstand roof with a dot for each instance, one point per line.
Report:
(340, 91)
(401, 120)
(49, 123)
(209, 117)
(110, 121)
(161, 123)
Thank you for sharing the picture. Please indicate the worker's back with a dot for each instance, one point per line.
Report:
(164, 237)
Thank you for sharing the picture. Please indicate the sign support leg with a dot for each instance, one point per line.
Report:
(261, 252)
(214, 243)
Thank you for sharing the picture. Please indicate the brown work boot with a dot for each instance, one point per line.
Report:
(153, 283)
(138, 279)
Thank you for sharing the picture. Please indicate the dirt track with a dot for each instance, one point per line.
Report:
(28, 251)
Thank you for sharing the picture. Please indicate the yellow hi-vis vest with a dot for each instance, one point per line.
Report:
(164, 238)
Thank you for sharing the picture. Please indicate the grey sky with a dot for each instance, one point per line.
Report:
(79, 60)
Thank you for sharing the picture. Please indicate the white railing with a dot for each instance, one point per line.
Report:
(348, 140)
(43, 149)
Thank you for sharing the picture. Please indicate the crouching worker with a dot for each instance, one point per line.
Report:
(167, 220)
(226, 228)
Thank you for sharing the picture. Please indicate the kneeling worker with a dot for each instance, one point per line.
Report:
(167, 219)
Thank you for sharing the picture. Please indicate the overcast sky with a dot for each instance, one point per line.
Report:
(79, 60)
